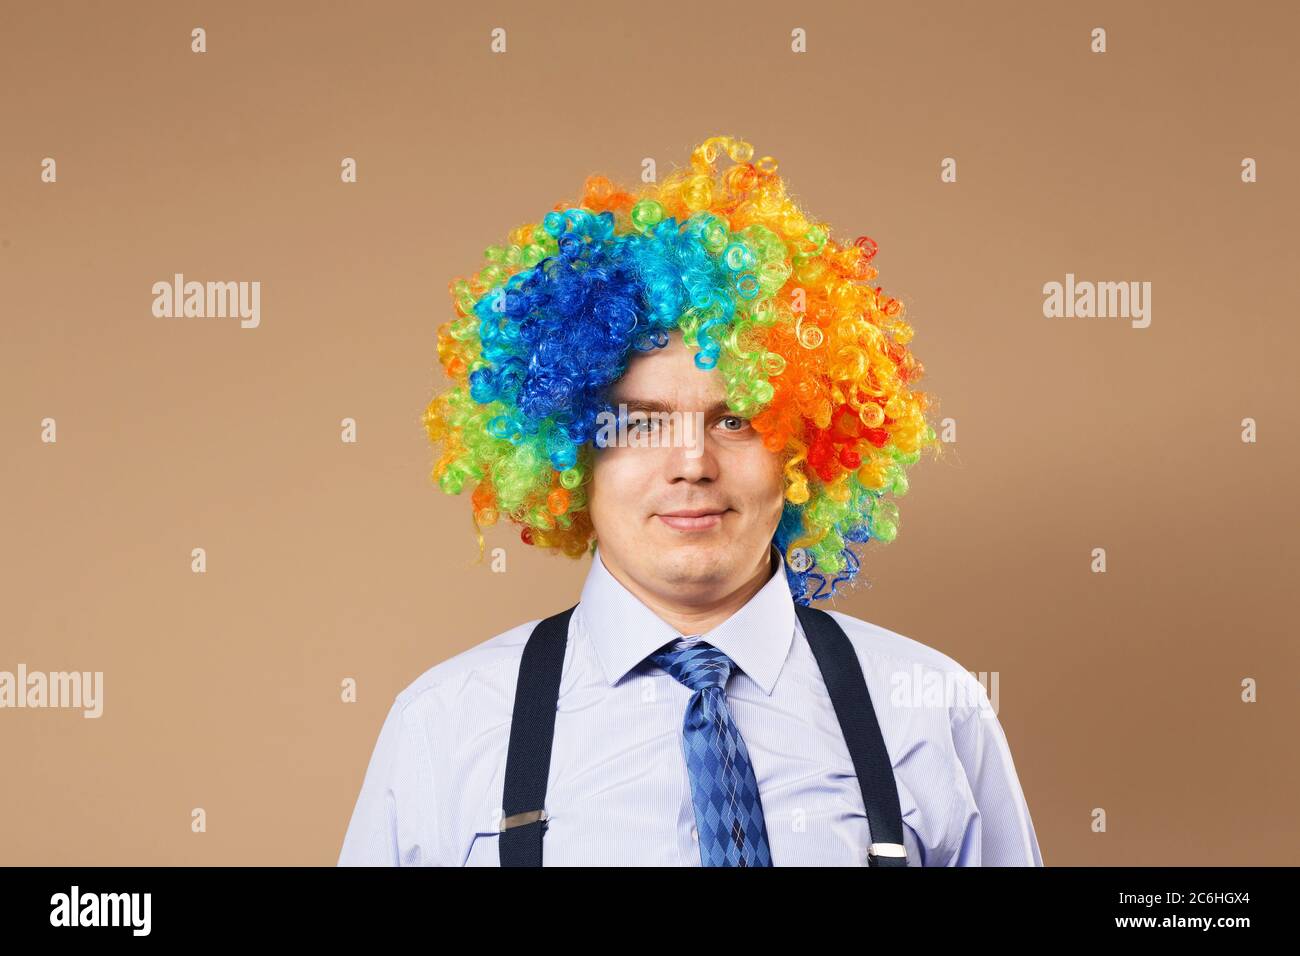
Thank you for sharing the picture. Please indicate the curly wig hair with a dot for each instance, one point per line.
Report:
(809, 351)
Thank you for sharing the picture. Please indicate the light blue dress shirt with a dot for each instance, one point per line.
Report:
(618, 791)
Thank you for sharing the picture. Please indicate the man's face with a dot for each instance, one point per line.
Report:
(714, 463)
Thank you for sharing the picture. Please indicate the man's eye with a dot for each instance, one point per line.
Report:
(744, 422)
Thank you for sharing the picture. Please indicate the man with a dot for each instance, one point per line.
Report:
(687, 710)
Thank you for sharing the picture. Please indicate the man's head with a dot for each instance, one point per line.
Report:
(683, 451)
(707, 289)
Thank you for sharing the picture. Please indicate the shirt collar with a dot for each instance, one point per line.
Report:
(624, 631)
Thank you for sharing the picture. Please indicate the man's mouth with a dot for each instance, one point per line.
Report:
(693, 519)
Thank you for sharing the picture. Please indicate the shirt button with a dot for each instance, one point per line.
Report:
(695, 834)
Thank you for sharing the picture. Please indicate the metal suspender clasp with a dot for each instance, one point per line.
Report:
(521, 819)
(887, 849)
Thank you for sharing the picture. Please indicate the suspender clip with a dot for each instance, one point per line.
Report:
(887, 849)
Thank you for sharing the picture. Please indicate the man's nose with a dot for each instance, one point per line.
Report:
(692, 456)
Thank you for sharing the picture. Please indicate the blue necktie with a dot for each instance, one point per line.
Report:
(728, 814)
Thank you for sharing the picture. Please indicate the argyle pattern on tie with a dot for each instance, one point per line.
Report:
(728, 814)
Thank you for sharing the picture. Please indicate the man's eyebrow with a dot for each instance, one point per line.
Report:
(655, 405)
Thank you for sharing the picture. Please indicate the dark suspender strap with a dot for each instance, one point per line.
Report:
(532, 728)
(842, 673)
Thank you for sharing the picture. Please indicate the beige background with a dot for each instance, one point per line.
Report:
(327, 561)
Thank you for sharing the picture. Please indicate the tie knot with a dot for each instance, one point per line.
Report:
(695, 663)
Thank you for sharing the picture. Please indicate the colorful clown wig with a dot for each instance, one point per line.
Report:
(810, 353)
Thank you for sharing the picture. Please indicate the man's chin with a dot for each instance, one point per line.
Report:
(688, 563)
(693, 545)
